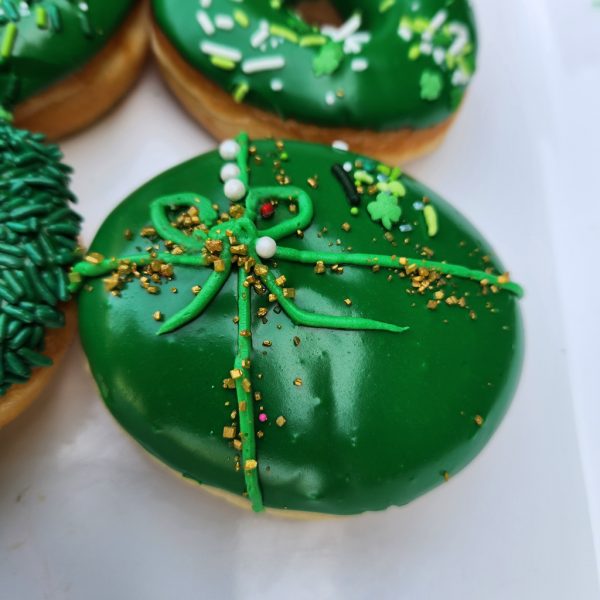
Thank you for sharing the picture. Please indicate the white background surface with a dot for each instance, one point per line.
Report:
(84, 514)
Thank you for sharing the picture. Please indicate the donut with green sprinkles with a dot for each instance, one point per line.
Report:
(387, 67)
(299, 326)
(38, 242)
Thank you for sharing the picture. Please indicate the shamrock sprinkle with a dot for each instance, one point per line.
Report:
(385, 209)
(431, 85)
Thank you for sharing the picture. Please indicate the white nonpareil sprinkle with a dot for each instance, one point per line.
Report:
(229, 171)
(340, 145)
(229, 149)
(205, 3)
(224, 22)
(276, 85)
(205, 22)
(359, 64)
(405, 33)
(330, 98)
(234, 189)
(439, 56)
(221, 51)
(266, 63)
(260, 36)
(266, 247)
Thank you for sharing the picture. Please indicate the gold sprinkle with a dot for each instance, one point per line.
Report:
(237, 444)
(243, 406)
(432, 305)
(280, 281)
(229, 384)
(272, 298)
(214, 245)
(229, 432)
(261, 270)
(446, 475)
(320, 267)
(280, 421)
(246, 385)
(250, 465)
(296, 341)
(148, 232)
(313, 182)
(94, 258)
(289, 293)
(236, 319)
(157, 316)
(298, 382)
(196, 289)
(246, 363)
(478, 420)
(267, 343)
(241, 249)
(219, 266)
(245, 333)
(257, 396)
(128, 234)
(236, 373)
(346, 226)
(347, 302)
(262, 312)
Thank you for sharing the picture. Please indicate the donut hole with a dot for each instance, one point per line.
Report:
(319, 12)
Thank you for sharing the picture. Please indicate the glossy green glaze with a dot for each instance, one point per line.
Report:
(44, 41)
(401, 64)
(380, 417)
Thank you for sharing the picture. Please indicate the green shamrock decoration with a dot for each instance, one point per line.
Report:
(328, 59)
(431, 85)
(385, 209)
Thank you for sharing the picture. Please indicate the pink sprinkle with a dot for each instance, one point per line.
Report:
(262, 417)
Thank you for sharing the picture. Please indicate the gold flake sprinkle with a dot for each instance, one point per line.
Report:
(320, 267)
(280, 281)
(196, 289)
(298, 382)
(346, 227)
(313, 182)
(280, 421)
(262, 312)
(289, 292)
(250, 465)
(237, 444)
(219, 266)
(296, 341)
(236, 373)
(229, 432)
(478, 420)
(347, 302)
(157, 316)
(267, 343)
(94, 258)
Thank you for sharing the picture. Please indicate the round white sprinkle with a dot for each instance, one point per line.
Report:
(229, 149)
(330, 98)
(347, 166)
(229, 171)
(276, 85)
(340, 145)
(266, 247)
(234, 189)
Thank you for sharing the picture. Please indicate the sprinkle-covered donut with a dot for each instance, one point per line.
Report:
(388, 79)
(63, 63)
(301, 326)
(38, 239)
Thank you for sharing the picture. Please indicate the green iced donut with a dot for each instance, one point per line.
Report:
(393, 64)
(44, 41)
(319, 333)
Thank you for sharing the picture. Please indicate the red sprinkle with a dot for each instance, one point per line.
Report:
(267, 210)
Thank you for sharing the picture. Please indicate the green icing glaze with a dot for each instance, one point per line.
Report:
(372, 417)
(44, 41)
(38, 238)
(391, 65)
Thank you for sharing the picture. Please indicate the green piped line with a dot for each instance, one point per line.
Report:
(289, 193)
(370, 260)
(195, 308)
(244, 398)
(308, 319)
(242, 157)
(84, 269)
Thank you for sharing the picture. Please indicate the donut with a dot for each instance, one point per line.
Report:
(388, 80)
(63, 63)
(38, 242)
(299, 327)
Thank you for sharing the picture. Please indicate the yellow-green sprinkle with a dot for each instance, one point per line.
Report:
(222, 63)
(8, 41)
(431, 220)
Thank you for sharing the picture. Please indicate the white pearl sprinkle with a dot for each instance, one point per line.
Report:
(229, 149)
(266, 247)
(229, 171)
(340, 145)
(235, 189)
